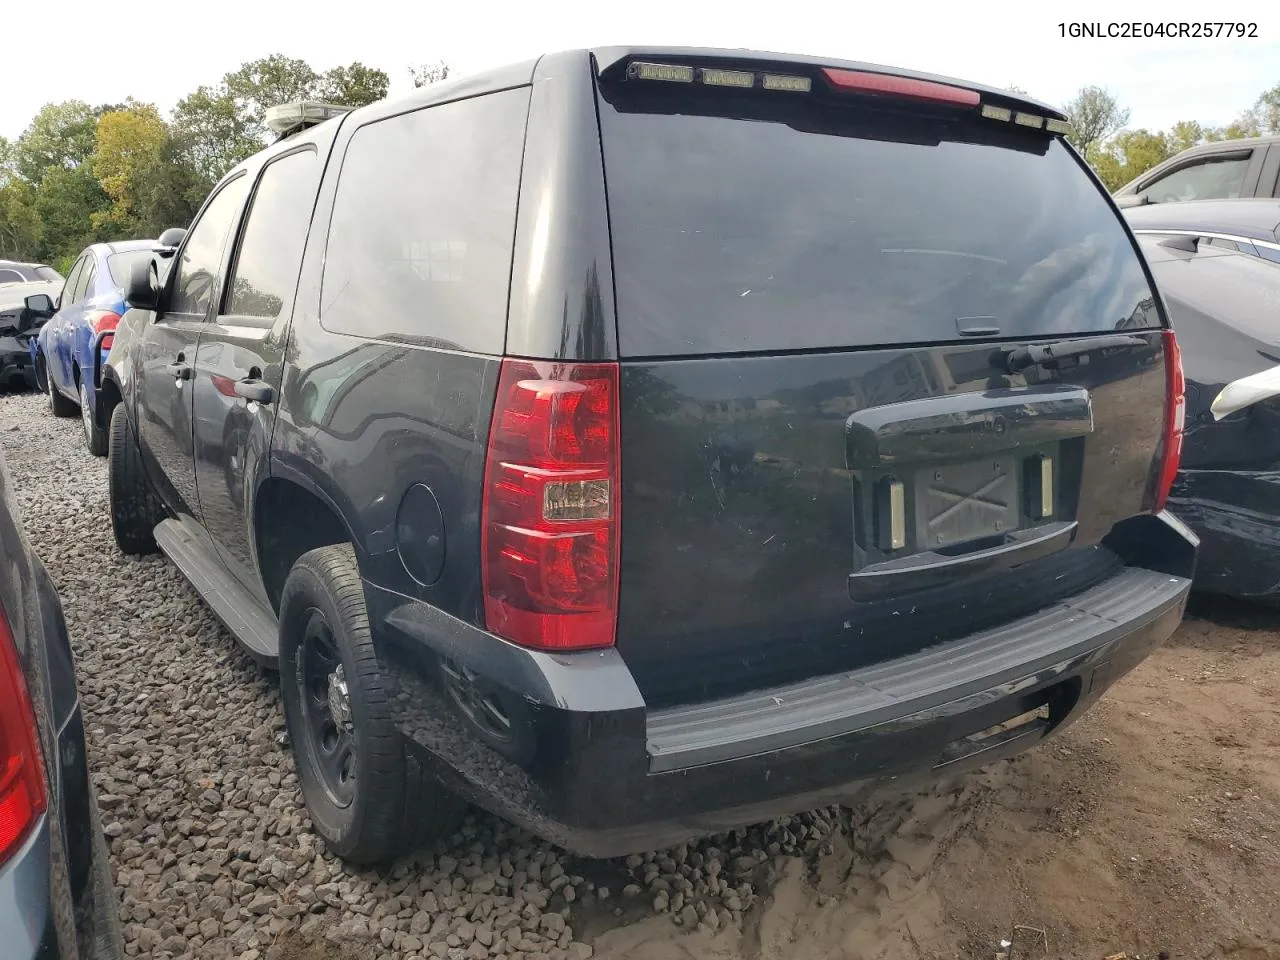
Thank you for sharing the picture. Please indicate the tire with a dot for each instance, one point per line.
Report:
(60, 405)
(135, 508)
(95, 438)
(388, 805)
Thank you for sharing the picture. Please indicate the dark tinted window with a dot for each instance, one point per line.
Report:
(826, 226)
(121, 264)
(48, 273)
(11, 276)
(1269, 253)
(266, 266)
(202, 255)
(420, 242)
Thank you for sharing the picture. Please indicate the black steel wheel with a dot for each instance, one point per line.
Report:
(368, 798)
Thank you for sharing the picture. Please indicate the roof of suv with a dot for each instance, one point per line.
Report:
(609, 58)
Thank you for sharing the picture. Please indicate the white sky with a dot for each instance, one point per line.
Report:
(160, 52)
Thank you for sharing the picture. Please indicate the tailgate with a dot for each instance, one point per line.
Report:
(828, 459)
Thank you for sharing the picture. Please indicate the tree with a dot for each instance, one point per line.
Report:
(354, 85)
(60, 135)
(212, 135)
(138, 164)
(1267, 110)
(1095, 115)
(1014, 88)
(1184, 135)
(429, 73)
(20, 229)
(66, 202)
(1128, 154)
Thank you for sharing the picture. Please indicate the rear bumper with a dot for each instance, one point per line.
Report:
(1234, 513)
(589, 768)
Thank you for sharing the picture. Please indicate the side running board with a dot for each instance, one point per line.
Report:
(253, 626)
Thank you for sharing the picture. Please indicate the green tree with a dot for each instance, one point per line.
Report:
(137, 162)
(1095, 115)
(20, 229)
(1129, 154)
(354, 85)
(429, 73)
(72, 207)
(212, 134)
(1184, 135)
(1267, 110)
(60, 135)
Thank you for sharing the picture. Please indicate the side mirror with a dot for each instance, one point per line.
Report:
(169, 241)
(40, 304)
(143, 292)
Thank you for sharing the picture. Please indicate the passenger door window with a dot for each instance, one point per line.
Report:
(420, 240)
(67, 296)
(85, 284)
(264, 274)
(196, 272)
(1214, 178)
(11, 276)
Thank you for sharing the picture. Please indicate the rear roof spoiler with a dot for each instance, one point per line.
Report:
(611, 63)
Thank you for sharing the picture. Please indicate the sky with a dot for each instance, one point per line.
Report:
(159, 52)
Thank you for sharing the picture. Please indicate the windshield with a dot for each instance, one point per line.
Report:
(120, 264)
(826, 226)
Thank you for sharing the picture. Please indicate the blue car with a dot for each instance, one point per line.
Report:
(80, 325)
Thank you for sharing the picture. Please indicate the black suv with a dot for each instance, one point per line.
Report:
(639, 443)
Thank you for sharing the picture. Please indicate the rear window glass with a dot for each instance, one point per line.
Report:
(121, 264)
(811, 225)
(48, 273)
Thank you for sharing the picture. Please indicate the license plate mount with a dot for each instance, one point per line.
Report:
(974, 500)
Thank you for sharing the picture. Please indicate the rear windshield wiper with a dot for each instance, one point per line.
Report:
(1042, 353)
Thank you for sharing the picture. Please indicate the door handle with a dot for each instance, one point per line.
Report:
(258, 391)
(179, 371)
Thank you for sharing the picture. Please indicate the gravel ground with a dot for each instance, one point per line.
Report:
(1148, 827)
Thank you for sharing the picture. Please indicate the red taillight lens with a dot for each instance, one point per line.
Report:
(550, 514)
(905, 87)
(104, 320)
(22, 793)
(1174, 419)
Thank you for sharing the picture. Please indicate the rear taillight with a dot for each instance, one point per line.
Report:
(22, 793)
(550, 514)
(883, 84)
(102, 320)
(1174, 418)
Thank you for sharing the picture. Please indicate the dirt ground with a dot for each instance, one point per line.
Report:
(1148, 828)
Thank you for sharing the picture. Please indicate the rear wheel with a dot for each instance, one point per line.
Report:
(60, 405)
(95, 438)
(368, 798)
(135, 508)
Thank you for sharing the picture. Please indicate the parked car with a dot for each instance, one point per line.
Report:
(1212, 171)
(57, 900)
(17, 331)
(1249, 226)
(11, 271)
(69, 350)
(1224, 305)
(828, 445)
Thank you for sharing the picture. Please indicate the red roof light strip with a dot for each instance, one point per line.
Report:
(905, 87)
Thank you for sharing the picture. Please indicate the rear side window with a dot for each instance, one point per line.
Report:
(11, 276)
(265, 275)
(419, 246)
(808, 224)
(84, 285)
(120, 265)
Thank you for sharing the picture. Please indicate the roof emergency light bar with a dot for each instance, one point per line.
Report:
(854, 81)
(289, 118)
